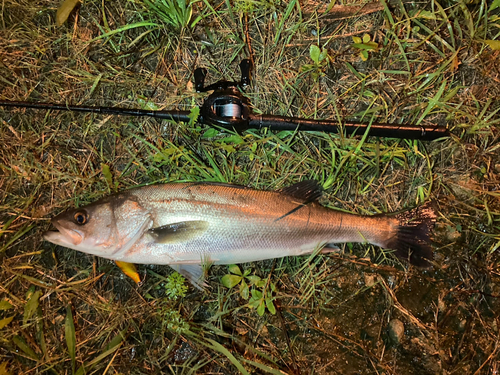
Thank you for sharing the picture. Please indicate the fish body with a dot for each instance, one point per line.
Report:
(182, 224)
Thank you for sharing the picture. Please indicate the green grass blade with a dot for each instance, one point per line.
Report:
(263, 367)
(221, 349)
(31, 306)
(284, 17)
(25, 229)
(124, 28)
(69, 332)
(433, 102)
(110, 348)
(25, 348)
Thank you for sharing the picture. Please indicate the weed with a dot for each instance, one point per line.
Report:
(320, 60)
(365, 45)
(173, 320)
(257, 291)
(176, 14)
(248, 6)
(175, 286)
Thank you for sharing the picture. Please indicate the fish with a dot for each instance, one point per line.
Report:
(188, 225)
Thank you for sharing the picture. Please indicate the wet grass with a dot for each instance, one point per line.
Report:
(67, 312)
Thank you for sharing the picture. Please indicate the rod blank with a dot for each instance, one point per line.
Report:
(278, 123)
(181, 116)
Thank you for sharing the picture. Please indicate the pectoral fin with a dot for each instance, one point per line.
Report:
(193, 273)
(179, 232)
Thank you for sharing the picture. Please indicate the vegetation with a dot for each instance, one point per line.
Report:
(64, 312)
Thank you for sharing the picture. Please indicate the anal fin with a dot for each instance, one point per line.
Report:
(193, 273)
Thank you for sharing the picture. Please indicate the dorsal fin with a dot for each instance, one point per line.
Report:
(307, 191)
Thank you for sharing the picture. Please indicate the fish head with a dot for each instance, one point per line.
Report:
(91, 229)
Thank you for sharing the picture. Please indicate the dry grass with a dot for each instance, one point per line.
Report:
(333, 311)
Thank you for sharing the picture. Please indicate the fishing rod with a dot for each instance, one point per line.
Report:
(226, 107)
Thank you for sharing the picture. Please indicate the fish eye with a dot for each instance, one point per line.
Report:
(81, 217)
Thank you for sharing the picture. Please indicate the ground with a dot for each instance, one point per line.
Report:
(357, 311)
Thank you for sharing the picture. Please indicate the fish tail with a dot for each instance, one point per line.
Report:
(411, 241)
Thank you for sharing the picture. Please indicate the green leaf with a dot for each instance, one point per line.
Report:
(261, 309)
(125, 28)
(230, 281)
(494, 44)
(234, 269)
(117, 340)
(307, 67)
(434, 101)
(366, 38)
(106, 171)
(270, 306)
(221, 349)
(285, 133)
(244, 291)
(273, 286)
(6, 321)
(21, 232)
(260, 284)
(253, 279)
(193, 115)
(285, 17)
(69, 331)
(112, 347)
(31, 306)
(256, 294)
(235, 138)
(25, 348)
(253, 303)
(30, 291)
(366, 46)
(323, 54)
(65, 10)
(175, 286)
(210, 133)
(228, 148)
(147, 104)
(314, 52)
(39, 332)
(5, 305)
(495, 4)
(357, 40)
(426, 14)
(364, 55)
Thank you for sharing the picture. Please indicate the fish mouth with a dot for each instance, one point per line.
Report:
(63, 236)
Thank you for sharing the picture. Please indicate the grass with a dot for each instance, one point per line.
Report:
(66, 312)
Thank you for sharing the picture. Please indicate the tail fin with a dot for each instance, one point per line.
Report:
(412, 242)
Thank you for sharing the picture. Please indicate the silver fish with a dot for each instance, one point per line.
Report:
(187, 224)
